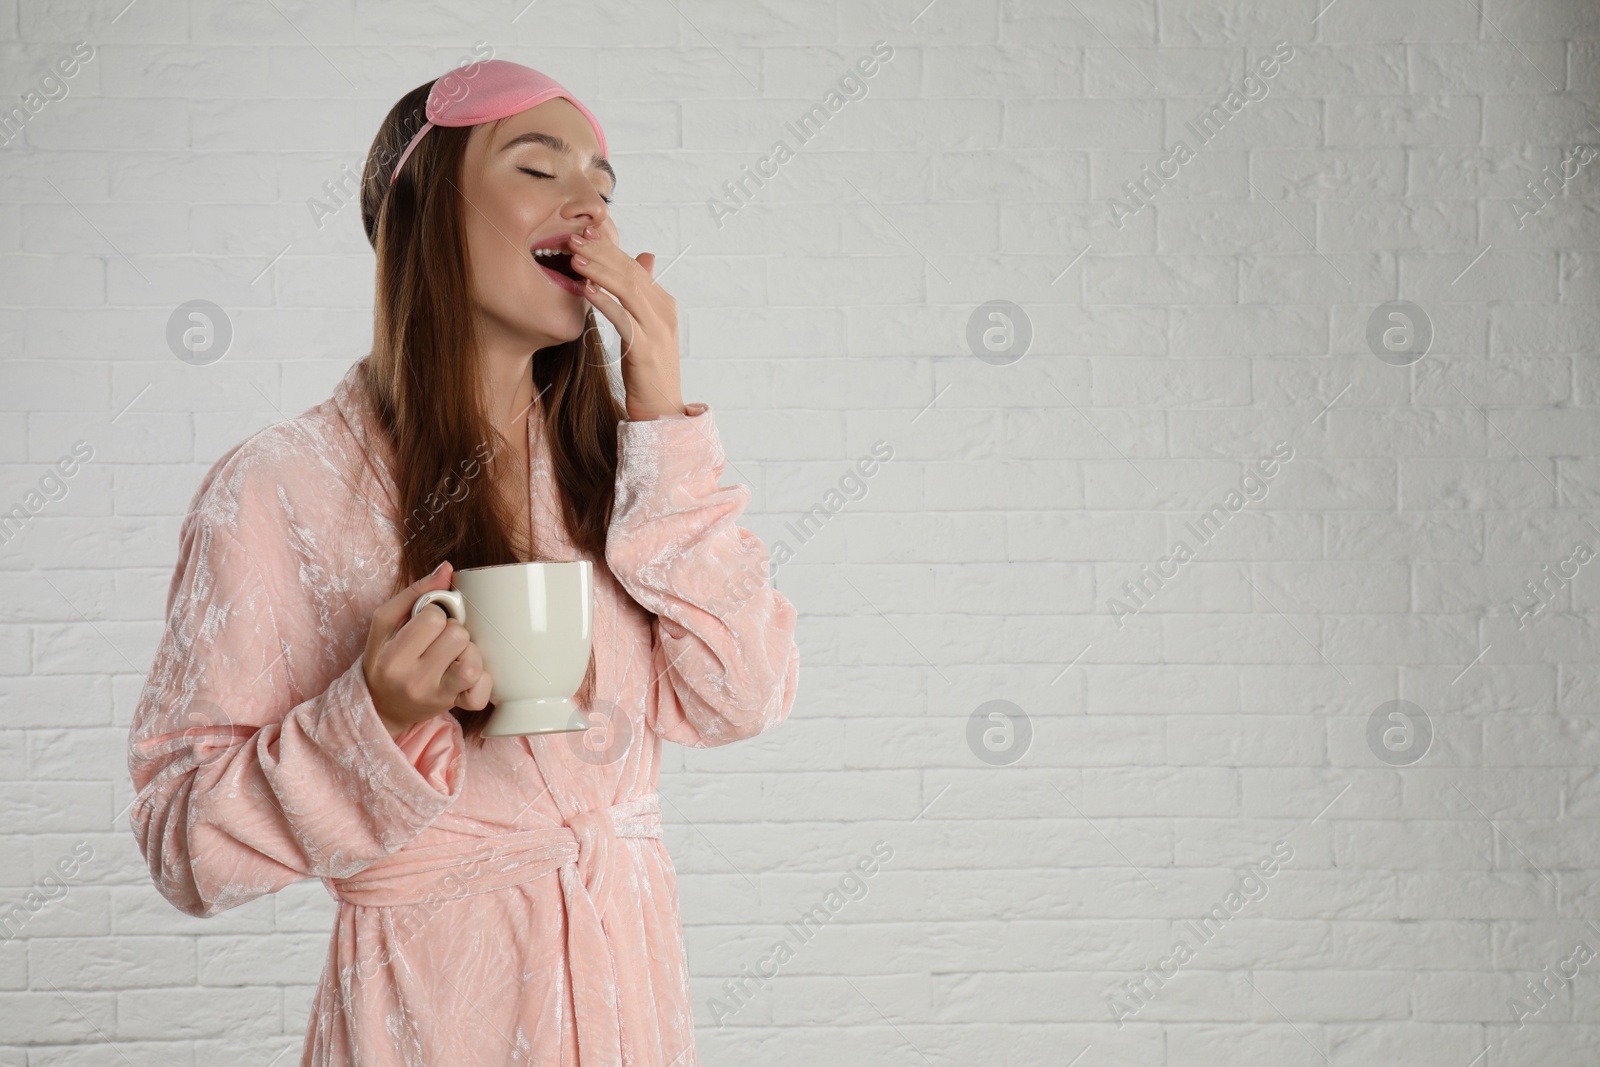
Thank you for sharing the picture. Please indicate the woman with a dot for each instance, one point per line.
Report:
(502, 900)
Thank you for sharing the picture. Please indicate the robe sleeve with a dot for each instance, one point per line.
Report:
(724, 663)
(242, 786)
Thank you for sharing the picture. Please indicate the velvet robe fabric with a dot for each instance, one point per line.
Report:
(504, 904)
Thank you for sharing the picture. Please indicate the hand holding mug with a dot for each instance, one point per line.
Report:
(532, 624)
(417, 666)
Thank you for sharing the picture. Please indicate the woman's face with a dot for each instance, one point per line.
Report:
(536, 180)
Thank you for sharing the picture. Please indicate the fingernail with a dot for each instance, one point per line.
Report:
(579, 259)
(437, 569)
(576, 239)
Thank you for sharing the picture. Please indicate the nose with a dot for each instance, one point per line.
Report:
(587, 204)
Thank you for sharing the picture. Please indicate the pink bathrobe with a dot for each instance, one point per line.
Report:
(510, 904)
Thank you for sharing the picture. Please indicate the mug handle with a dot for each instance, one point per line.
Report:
(450, 601)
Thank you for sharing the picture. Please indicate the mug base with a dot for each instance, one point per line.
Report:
(537, 715)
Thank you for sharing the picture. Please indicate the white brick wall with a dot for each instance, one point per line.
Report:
(1025, 890)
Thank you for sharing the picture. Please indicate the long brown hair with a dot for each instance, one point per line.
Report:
(423, 380)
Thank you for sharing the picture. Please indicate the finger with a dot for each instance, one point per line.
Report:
(411, 641)
(626, 307)
(608, 306)
(393, 613)
(605, 231)
(611, 267)
(476, 697)
(611, 252)
(608, 255)
(463, 672)
(437, 656)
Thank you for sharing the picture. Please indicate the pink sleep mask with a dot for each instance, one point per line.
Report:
(488, 90)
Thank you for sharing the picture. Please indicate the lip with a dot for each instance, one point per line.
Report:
(560, 280)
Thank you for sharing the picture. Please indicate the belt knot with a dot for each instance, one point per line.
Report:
(465, 866)
(580, 854)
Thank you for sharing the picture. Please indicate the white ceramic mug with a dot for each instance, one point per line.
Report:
(534, 624)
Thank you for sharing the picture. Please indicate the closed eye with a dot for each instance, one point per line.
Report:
(542, 174)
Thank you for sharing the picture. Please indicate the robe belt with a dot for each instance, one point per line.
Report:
(581, 855)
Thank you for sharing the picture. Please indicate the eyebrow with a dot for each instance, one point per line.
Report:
(552, 141)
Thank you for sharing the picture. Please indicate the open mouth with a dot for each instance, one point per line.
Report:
(558, 261)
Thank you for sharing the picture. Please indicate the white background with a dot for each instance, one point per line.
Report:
(830, 312)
